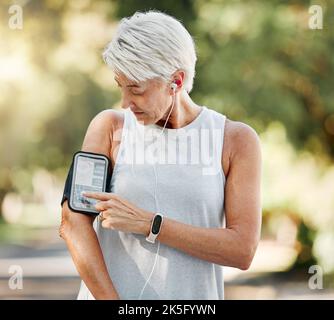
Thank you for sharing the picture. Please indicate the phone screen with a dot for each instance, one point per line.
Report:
(90, 174)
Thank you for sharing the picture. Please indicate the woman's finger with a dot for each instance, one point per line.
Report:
(114, 223)
(107, 223)
(108, 213)
(103, 205)
(101, 217)
(103, 196)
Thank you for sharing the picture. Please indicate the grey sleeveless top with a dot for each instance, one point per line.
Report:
(190, 189)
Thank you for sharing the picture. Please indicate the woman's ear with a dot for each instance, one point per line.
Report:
(176, 82)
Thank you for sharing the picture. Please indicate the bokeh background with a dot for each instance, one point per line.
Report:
(258, 62)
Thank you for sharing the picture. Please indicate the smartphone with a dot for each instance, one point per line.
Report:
(90, 173)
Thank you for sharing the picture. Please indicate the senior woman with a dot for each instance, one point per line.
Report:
(209, 205)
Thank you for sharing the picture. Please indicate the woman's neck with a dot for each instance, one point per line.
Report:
(184, 112)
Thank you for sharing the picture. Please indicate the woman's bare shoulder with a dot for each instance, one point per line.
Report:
(101, 130)
(109, 118)
(240, 140)
(240, 133)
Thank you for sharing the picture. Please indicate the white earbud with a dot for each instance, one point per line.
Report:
(173, 86)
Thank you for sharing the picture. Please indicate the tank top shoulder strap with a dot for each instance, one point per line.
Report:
(122, 136)
(218, 122)
(215, 122)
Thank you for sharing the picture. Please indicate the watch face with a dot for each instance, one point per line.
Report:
(156, 224)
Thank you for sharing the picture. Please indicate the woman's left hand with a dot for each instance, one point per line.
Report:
(120, 214)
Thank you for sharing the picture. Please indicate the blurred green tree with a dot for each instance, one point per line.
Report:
(258, 62)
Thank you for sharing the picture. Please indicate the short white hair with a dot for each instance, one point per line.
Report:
(152, 45)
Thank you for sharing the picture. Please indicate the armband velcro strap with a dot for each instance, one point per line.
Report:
(68, 183)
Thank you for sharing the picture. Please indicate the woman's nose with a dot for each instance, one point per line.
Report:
(126, 105)
(125, 102)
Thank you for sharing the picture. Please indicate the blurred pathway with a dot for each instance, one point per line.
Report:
(49, 273)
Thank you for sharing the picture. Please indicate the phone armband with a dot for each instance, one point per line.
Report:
(88, 172)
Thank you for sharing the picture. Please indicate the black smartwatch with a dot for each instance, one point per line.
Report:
(155, 227)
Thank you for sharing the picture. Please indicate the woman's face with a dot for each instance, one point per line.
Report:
(149, 100)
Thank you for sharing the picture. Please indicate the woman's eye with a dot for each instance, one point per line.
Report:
(137, 93)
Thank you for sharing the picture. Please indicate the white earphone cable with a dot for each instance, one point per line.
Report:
(155, 196)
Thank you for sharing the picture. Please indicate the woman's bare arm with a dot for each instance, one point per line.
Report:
(236, 244)
(77, 229)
